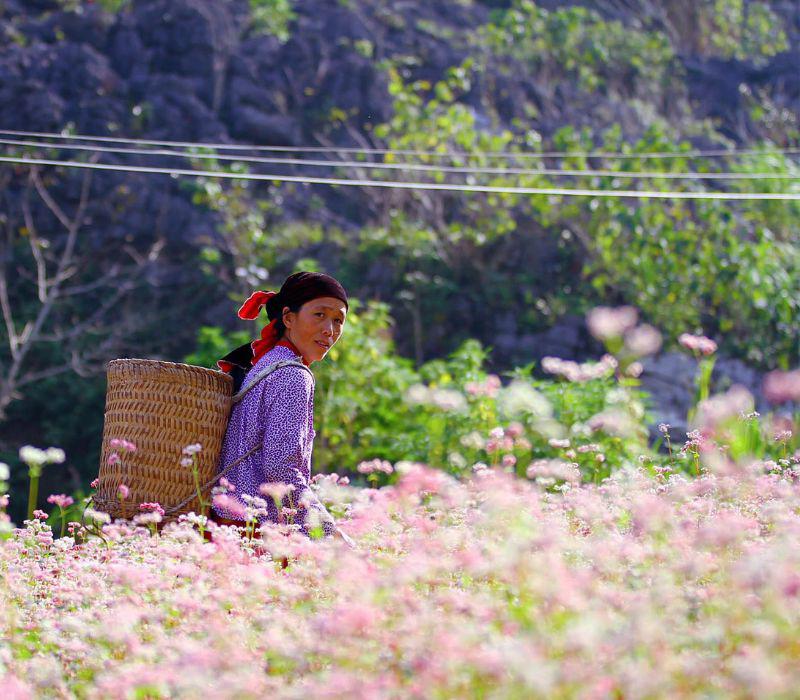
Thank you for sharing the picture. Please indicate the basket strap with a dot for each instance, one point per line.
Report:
(264, 372)
(238, 397)
(254, 448)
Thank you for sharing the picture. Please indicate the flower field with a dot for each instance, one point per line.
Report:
(551, 553)
(489, 587)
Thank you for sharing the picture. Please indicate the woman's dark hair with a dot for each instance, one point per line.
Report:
(299, 288)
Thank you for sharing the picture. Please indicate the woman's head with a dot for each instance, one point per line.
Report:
(309, 310)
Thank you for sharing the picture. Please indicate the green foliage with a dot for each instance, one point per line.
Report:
(429, 117)
(705, 265)
(213, 344)
(272, 17)
(579, 42)
(742, 29)
(245, 254)
(359, 410)
(111, 6)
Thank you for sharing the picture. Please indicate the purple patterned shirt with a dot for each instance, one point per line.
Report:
(283, 403)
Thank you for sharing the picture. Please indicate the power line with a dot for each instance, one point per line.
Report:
(695, 153)
(644, 175)
(570, 192)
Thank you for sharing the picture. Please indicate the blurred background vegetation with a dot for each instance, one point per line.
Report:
(453, 285)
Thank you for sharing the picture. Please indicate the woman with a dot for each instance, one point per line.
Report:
(306, 317)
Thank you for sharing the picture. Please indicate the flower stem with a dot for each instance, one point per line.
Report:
(33, 493)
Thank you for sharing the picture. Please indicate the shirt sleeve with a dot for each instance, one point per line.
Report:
(286, 451)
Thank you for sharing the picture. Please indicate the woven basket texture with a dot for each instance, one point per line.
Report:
(161, 407)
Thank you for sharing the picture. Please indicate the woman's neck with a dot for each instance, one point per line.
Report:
(285, 342)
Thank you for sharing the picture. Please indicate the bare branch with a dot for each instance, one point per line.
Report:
(13, 339)
(31, 377)
(109, 278)
(52, 205)
(41, 267)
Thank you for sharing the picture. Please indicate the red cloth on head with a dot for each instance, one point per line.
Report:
(252, 306)
(267, 341)
(269, 333)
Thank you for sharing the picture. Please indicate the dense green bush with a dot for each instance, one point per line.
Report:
(450, 413)
(578, 42)
(726, 268)
(272, 17)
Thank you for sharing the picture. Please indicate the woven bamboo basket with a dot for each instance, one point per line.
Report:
(161, 407)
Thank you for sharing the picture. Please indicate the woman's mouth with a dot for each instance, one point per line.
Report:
(324, 345)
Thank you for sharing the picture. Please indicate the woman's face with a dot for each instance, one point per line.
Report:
(315, 327)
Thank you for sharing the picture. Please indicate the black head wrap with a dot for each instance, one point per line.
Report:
(301, 287)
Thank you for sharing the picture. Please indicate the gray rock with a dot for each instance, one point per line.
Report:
(670, 380)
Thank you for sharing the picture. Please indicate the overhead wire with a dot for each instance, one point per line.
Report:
(694, 153)
(451, 187)
(472, 170)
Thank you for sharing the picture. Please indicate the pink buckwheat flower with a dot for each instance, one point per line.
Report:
(781, 387)
(643, 340)
(125, 445)
(123, 491)
(698, 343)
(113, 459)
(230, 505)
(151, 508)
(515, 430)
(276, 489)
(190, 450)
(605, 322)
(61, 500)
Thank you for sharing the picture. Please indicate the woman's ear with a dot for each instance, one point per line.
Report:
(286, 316)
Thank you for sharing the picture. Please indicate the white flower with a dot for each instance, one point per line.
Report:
(186, 462)
(97, 515)
(147, 518)
(457, 460)
(605, 322)
(473, 440)
(520, 397)
(193, 449)
(5, 473)
(32, 455)
(55, 455)
(194, 519)
(417, 394)
(448, 399)
(64, 543)
(643, 340)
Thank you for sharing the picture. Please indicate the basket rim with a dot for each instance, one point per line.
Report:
(120, 362)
